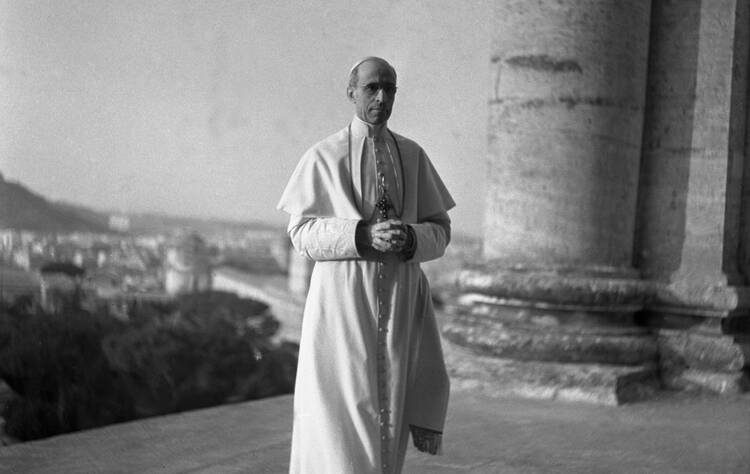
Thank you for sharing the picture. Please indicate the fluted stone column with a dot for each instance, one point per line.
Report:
(551, 313)
(690, 235)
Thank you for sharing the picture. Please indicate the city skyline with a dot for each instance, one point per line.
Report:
(204, 110)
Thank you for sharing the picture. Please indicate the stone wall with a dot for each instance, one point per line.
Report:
(690, 210)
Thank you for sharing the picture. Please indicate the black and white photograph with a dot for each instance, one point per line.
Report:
(395, 237)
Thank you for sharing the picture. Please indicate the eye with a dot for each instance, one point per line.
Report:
(371, 88)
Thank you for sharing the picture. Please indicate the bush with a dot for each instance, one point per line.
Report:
(74, 370)
(56, 366)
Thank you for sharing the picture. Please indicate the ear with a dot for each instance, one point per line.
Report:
(350, 94)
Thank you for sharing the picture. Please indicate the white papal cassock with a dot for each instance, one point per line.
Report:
(370, 366)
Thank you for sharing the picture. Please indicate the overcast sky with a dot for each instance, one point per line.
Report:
(204, 108)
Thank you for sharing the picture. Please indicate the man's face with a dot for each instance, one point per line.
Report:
(376, 89)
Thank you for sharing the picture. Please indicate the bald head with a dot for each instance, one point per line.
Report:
(354, 71)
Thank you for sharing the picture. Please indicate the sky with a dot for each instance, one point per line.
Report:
(204, 108)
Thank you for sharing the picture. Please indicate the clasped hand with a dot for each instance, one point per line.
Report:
(387, 236)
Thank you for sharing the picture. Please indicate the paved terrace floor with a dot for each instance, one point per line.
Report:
(672, 434)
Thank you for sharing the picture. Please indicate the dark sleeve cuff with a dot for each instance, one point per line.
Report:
(411, 244)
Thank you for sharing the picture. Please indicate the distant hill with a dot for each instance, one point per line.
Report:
(159, 223)
(21, 208)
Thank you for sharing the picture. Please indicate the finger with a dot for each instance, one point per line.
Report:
(392, 240)
(396, 244)
(388, 235)
(393, 235)
(390, 224)
(382, 244)
(396, 225)
(378, 234)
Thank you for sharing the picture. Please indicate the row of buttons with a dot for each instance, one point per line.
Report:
(383, 395)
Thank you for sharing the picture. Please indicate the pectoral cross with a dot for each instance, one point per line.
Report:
(384, 203)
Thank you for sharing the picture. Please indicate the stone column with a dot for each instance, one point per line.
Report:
(566, 116)
(551, 313)
(690, 205)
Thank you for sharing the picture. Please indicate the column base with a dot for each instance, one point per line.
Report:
(703, 336)
(551, 333)
(687, 379)
(569, 382)
(563, 334)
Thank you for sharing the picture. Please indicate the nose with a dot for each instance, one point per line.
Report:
(380, 95)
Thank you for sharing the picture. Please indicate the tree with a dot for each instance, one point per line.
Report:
(56, 366)
(74, 370)
(214, 348)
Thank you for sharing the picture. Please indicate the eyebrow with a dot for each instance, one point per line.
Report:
(387, 83)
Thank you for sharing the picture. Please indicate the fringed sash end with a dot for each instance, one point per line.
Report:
(426, 440)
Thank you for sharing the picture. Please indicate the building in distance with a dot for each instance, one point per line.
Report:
(187, 266)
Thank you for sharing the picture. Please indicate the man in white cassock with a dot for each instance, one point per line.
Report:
(368, 207)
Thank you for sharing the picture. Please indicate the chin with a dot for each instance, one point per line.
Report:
(379, 119)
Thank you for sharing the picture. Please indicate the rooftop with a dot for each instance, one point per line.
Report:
(675, 433)
(683, 433)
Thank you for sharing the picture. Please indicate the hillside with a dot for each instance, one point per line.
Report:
(159, 223)
(21, 208)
